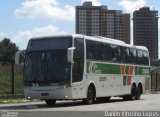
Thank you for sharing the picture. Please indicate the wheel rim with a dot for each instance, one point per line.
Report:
(138, 94)
(90, 94)
(134, 93)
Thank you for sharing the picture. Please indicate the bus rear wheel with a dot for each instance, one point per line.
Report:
(90, 96)
(133, 95)
(50, 102)
(139, 92)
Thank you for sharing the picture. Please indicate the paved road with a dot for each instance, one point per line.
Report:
(148, 102)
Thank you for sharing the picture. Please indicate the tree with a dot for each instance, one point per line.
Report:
(7, 50)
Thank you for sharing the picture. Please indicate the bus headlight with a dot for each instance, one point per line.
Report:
(28, 98)
(27, 88)
(65, 86)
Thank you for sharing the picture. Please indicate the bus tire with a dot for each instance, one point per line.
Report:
(50, 102)
(138, 96)
(133, 95)
(90, 96)
(139, 92)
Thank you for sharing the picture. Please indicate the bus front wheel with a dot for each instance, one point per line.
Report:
(50, 102)
(90, 96)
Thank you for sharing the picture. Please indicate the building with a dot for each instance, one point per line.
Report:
(99, 21)
(145, 29)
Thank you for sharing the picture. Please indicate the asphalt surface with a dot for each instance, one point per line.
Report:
(147, 106)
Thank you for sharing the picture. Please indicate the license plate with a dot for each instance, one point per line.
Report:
(44, 94)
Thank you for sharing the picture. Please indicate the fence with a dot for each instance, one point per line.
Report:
(11, 79)
(155, 79)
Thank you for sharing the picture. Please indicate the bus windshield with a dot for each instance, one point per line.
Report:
(47, 65)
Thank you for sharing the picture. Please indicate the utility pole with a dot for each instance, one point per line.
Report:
(13, 77)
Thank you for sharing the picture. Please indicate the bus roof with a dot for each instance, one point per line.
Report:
(53, 36)
(96, 38)
(111, 41)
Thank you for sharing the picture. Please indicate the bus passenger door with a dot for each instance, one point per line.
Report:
(78, 67)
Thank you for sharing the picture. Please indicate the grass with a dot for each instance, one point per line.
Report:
(6, 79)
(11, 101)
(6, 85)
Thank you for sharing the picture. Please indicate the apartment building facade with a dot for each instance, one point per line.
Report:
(100, 21)
(145, 30)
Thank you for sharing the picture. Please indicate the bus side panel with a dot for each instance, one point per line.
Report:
(114, 79)
(79, 89)
(108, 85)
(144, 80)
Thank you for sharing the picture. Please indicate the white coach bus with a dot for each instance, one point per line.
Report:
(77, 67)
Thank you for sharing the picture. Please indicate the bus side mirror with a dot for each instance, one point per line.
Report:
(70, 54)
(19, 57)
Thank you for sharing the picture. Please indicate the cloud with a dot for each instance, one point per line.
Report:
(130, 6)
(45, 9)
(2, 35)
(22, 37)
(94, 2)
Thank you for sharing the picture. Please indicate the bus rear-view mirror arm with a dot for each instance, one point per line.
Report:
(70, 53)
(19, 56)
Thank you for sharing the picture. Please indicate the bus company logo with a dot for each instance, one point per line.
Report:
(127, 72)
(90, 67)
(145, 71)
(93, 68)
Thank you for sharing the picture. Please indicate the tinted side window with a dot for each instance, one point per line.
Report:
(103, 52)
(140, 57)
(98, 51)
(115, 53)
(78, 60)
(125, 55)
(108, 52)
(89, 49)
(145, 58)
(133, 55)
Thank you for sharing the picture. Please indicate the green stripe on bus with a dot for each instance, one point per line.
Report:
(115, 69)
(127, 70)
(101, 68)
(124, 80)
(141, 70)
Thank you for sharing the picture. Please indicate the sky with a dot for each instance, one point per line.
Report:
(22, 19)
